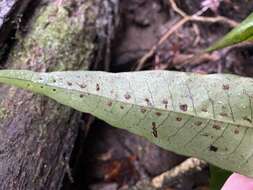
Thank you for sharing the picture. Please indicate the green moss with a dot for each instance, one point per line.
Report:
(3, 113)
(58, 38)
(58, 41)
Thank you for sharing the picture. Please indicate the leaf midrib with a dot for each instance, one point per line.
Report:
(122, 102)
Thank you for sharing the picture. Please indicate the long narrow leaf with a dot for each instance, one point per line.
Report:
(207, 116)
(242, 33)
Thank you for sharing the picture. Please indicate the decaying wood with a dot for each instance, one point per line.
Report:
(11, 13)
(37, 134)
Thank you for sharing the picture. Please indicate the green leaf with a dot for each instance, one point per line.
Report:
(206, 116)
(218, 177)
(242, 33)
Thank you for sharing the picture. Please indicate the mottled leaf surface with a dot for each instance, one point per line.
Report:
(242, 33)
(207, 116)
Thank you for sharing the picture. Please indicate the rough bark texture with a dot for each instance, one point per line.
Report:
(37, 134)
(11, 14)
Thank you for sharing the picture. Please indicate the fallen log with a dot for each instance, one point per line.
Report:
(37, 135)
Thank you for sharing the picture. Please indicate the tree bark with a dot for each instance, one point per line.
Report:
(11, 13)
(37, 135)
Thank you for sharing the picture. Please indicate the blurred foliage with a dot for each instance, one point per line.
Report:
(218, 177)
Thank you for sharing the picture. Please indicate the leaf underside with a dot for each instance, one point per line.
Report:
(206, 116)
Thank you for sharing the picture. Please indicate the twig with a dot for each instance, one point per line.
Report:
(186, 18)
(188, 167)
(215, 19)
(163, 39)
(176, 9)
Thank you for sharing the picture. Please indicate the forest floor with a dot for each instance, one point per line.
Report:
(113, 158)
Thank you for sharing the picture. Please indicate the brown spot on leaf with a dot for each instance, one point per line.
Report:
(179, 119)
(82, 85)
(213, 148)
(148, 101)
(97, 87)
(158, 114)
(81, 95)
(216, 127)
(154, 129)
(143, 110)
(204, 109)
(165, 101)
(225, 87)
(154, 132)
(69, 83)
(247, 119)
(223, 114)
(198, 123)
(183, 107)
(127, 96)
(109, 104)
(54, 81)
(121, 107)
(236, 131)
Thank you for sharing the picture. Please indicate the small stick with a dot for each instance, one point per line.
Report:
(161, 41)
(189, 166)
(186, 18)
(186, 168)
